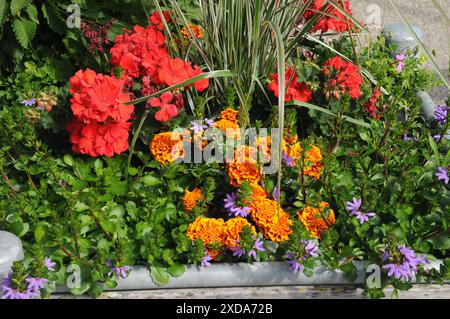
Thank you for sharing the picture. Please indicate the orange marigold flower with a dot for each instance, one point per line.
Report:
(313, 156)
(231, 128)
(230, 115)
(167, 147)
(263, 144)
(209, 230)
(273, 225)
(191, 198)
(314, 171)
(312, 219)
(292, 147)
(234, 228)
(239, 172)
(258, 191)
(196, 30)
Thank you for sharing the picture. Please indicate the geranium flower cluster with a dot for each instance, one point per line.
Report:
(100, 124)
(332, 19)
(342, 78)
(371, 105)
(295, 90)
(142, 52)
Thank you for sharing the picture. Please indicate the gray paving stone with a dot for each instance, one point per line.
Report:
(276, 292)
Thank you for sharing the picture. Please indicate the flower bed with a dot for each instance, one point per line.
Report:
(182, 140)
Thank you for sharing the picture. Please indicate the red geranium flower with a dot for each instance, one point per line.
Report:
(371, 105)
(99, 98)
(99, 139)
(332, 19)
(168, 110)
(156, 20)
(138, 52)
(295, 91)
(343, 78)
(174, 71)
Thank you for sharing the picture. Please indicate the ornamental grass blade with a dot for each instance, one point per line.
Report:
(188, 82)
(326, 111)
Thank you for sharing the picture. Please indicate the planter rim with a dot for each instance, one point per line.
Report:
(242, 275)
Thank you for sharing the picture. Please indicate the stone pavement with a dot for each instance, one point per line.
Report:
(276, 292)
(434, 24)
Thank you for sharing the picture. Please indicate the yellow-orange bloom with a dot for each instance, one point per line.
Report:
(258, 191)
(234, 228)
(313, 220)
(240, 172)
(209, 230)
(196, 30)
(229, 115)
(167, 147)
(292, 147)
(313, 157)
(230, 128)
(191, 198)
(273, 225)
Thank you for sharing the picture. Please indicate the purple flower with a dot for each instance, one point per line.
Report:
(9, 292)
(237, 251)
(276, 193)
(288, 160)
(209, 122)
(403, 263)
(49, 264)
(401, 64)
(206, 260)
(257, 246)
(293, 263)
(197, 126)
(442, 175)
(354, 205)
(118, 271)
(230, 204)
(440, 114)
(309, 250)
(362, 217)
(30, 102)
(437, 137)
(35, 284)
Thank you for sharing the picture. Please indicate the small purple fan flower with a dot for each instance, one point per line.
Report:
(288, 160)
(206, 260)
(440, 114)
(403, 265)
(230, 204)
(442, 175)
(49, 264)
(258, 246)
(309, 250)
(30, 102)
(354, 205)
(118, 271)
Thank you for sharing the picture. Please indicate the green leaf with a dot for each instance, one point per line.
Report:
(24, 30)
(68, 160)
(17, 5)
(176, 270)
(108, 226)
(81, 290)
(159, 275)
(434, 147)
(3, 12)
(54, 19)
(98, 167)
(39, 233)
(151, 180)
(350, 271)
(118, 189)
(133, 171)
(33, 13)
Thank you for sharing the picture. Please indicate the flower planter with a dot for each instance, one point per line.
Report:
(242, 275)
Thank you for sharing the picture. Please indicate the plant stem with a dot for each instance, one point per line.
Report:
(135, 137)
